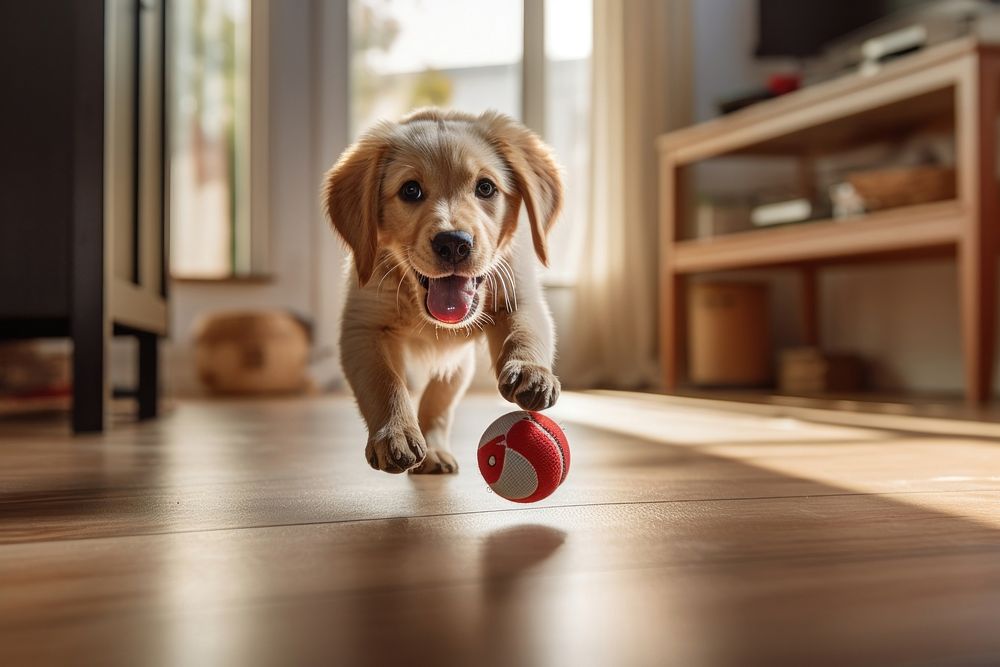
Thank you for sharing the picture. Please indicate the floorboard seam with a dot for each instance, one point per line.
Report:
(518, 510)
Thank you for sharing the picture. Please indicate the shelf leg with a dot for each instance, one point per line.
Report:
(978, 296)
(977, 102)
(673, 285)
(673, 322)
(149, 375)
(809, 304)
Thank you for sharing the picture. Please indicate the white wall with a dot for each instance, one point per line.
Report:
(724, 40)
(901, 317)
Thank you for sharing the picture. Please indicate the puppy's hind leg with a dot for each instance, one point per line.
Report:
(436, 412)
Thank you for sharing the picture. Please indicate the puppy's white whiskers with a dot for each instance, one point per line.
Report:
(493, 286)
(378, 290)
(506, 295)
(489, 288)
(502, 277)
(401, 279)
(509, 270)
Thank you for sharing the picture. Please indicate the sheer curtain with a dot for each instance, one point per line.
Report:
(641, 88)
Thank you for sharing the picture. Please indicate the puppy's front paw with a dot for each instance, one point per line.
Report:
(437, 462)
(395, 449)
(532, 387)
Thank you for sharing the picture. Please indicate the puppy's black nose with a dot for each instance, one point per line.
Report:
(452, 246)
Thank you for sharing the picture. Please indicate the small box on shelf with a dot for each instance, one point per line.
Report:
(809, 370)
(719, 217)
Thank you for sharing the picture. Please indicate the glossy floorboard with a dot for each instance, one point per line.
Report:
(255, 533)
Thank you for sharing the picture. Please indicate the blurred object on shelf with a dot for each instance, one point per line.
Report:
(721, 216)
(263, 352)
(777, 85)
(28, 369)
(877, 51)
(928, 148)
(35, 377)
(783, 83)
(901, 30)
(729, 340)
(799, 209)
(846, 201)
(808, 370)
(903, 186)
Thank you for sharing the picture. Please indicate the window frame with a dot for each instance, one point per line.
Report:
(259, 137)
(533, 65)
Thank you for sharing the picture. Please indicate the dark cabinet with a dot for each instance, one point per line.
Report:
(83, 185)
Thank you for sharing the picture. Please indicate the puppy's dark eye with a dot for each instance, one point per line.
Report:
(411, 191)
(485, 188)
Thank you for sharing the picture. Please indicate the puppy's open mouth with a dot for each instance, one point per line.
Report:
(451, 299)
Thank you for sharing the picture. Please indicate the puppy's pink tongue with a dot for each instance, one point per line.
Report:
(450, 299)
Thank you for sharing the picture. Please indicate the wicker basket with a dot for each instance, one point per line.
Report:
(903, 186)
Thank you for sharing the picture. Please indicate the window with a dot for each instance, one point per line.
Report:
(470, 55)
(212, 230)
(461, 54)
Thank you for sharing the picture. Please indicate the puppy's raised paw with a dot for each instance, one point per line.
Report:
(395, 449)
(437, 462)
(531, 386)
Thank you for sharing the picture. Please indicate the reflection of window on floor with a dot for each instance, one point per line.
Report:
(467, 54)
(209, 143)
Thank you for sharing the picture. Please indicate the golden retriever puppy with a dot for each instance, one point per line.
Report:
(429, 207)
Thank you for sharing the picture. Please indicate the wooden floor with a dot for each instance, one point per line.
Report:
(685, 534)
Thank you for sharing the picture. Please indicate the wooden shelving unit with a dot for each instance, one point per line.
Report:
(957, 84)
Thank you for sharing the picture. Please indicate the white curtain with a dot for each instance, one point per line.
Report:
(641, 88)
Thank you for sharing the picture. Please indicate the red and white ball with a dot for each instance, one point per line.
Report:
(524, 456)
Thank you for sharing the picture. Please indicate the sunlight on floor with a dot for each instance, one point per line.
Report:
(678, 424)
(857, 460)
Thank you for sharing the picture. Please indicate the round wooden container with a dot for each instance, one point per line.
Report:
(264, 352)
(729, 341)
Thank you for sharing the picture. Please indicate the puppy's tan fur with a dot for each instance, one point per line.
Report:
(407, 369)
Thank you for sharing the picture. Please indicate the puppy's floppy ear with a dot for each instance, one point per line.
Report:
(535, 173)
(351, 198)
